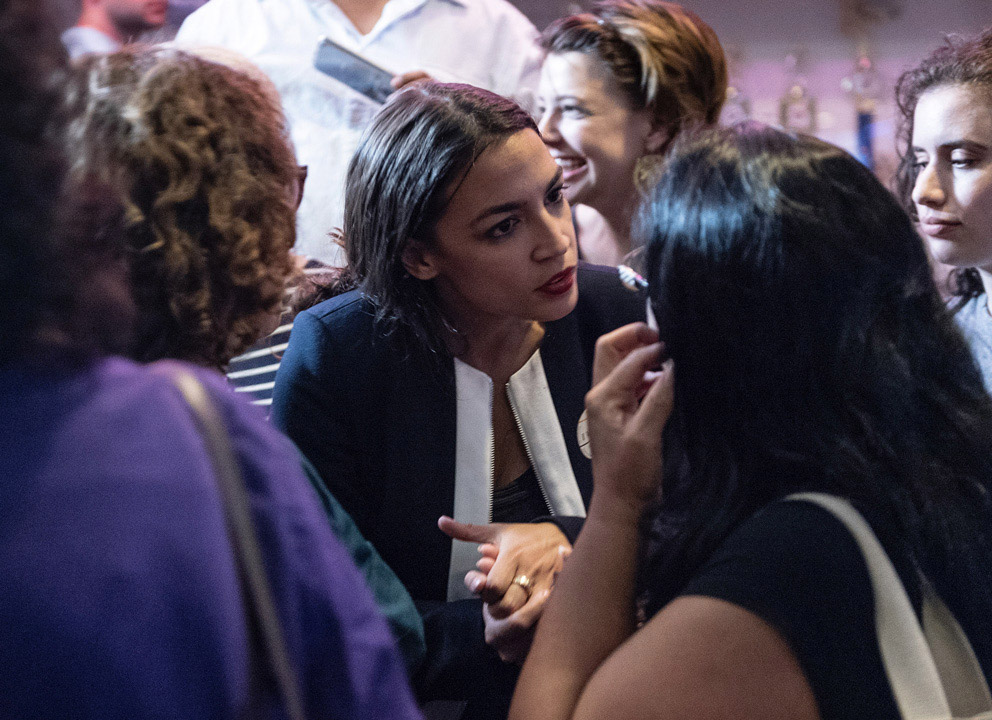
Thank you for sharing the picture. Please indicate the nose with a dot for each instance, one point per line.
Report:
(547, 125)
(928, 189)
(556, 235)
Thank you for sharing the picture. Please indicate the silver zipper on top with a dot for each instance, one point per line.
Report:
(523, 436)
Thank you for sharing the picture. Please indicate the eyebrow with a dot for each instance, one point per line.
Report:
(516, 204)
(957, 145)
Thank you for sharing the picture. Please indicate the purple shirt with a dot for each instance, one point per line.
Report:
(118, 591)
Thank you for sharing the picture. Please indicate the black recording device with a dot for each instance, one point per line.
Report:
(353, 70)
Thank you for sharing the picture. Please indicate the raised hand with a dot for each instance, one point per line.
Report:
(628, 406)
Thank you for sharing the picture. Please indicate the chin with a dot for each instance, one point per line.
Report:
(562, 306)
(958, 255)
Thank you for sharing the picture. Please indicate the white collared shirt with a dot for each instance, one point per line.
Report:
(82, 40)
(487, 43)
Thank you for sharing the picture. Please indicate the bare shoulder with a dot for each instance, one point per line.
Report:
(701, 657)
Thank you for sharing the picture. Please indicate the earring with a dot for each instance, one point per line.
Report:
(647, 170)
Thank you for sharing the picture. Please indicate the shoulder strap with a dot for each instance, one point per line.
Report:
(911, 653)
(264, 626)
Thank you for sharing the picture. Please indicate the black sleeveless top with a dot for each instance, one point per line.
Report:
(796, 566)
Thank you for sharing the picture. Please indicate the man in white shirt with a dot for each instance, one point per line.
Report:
(488, 43)
(105, 25)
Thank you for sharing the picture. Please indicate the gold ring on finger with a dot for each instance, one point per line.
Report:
(524, 582)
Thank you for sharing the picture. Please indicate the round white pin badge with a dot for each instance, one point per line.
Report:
(582, 432)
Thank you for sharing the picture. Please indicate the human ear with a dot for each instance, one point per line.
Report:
(657, 140)
(418, 261)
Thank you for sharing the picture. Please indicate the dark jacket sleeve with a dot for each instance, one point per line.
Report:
(568, 524)
(309, 406)
(459, 664)
(328, 398)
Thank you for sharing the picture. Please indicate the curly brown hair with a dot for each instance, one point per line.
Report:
(959, 61)
(201, 157)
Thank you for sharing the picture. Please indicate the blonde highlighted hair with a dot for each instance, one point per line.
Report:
(663, 57)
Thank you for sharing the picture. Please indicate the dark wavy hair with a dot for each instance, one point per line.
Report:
(663, 57)
(200, 157)
(62, 286)
(959, 61)
(813, 353)
(407, 166)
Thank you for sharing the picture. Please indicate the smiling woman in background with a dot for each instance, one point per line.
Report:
(945, 174)
(617, 85)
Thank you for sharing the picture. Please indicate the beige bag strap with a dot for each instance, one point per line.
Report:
(267, 642)
(932, 669)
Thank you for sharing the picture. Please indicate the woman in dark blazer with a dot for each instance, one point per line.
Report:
(452, 381)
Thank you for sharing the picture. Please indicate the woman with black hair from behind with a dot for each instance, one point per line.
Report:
(808, 351)
(120, 596)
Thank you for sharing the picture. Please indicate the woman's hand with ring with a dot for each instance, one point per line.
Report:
(536, 550)
(511, 552)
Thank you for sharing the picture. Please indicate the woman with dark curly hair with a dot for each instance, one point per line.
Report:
(121, 596)
(618, 84)
(808, 352)
(945, 173)
(199, 154)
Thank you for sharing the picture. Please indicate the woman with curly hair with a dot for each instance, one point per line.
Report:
(617, 85)
(199, 154)
(945, 173)
(121, 595)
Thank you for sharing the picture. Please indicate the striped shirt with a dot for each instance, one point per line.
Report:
(253, 373)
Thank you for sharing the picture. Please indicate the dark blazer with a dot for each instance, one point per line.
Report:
(378, 422)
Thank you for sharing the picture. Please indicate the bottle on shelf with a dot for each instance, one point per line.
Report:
(864, 85)
(737, 106)
(797, 106)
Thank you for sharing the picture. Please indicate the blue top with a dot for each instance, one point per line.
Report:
(976, 325)
(119, 596)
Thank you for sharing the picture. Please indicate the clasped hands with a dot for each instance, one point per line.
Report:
(516, 570)
(629, 404)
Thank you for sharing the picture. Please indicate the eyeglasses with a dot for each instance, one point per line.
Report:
(301, 180)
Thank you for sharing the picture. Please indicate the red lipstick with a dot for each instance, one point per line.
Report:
(559, 284)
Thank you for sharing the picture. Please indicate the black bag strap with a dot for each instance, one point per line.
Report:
(264, 627)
